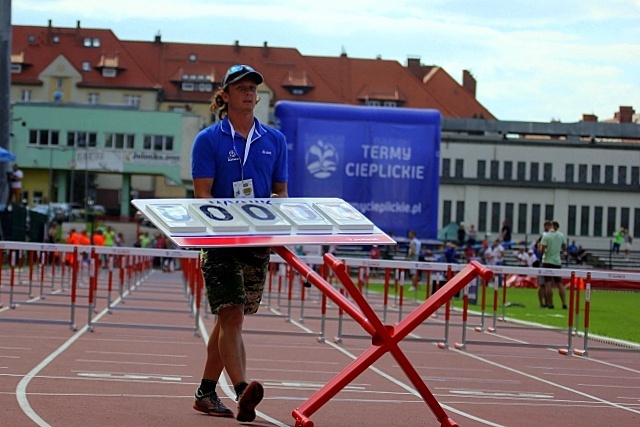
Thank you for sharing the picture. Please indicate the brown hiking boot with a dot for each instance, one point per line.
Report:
(248, 400)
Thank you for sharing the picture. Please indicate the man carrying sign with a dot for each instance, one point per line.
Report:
(236, 157)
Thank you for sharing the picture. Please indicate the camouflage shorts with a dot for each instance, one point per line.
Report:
(234, 276)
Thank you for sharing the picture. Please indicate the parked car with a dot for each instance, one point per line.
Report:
(77, 211)
(56, 211)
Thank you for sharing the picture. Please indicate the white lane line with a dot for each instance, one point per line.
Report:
(16, 348)
(21, 389)
(228, 388)
(398, 382)
(118, 362)
(551, 383)
(135, 354)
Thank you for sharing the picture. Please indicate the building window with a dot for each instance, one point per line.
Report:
(460, 211)
(132, 100)
(446, 168)
(598, 212)
(119, 141)
(608, 174)
(547, 172)
(446, 212)
(636, 223)
(522, 171)
(158, 143)
(372, 103)
(188, 86)
(611, 221)
(193, 57)
(568, 172)
(535, 172)
(482, 217)
(482, 169)
(495, 217)
(86, 66)
(16, 68)
(459, 173)
(624, 217)
(595, 174)
(571, 220)
(59, 83)
(109, 72)
(390, 104)
(91, 42)
(522, 218)
(508, 213)
(582, 174)
(44, 137)
(38, 198)
(82, 139)
(93, 98)
(25, 95)
(584, 220)
(495, 168)
(535, 219)
(622, 175)
(548, 212)
(507, 170)
(635, 175)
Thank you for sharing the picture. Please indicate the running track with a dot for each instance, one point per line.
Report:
(143, 362)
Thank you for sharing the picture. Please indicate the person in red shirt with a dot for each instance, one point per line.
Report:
(72, 239)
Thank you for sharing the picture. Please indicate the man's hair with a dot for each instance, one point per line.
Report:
(556, 224)
(218, 106)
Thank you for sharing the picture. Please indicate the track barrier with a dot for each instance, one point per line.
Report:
(68, 276)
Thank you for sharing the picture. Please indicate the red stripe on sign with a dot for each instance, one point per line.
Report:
(340, 239)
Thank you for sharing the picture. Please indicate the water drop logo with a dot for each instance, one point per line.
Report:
(321, 160)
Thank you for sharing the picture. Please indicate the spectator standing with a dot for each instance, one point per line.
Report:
(628, 240)
(236, 157)
(618, 238)
(552, 247)
(472, 235)
(462, 234)
(413, 254)
(505, 232)
(15, 183)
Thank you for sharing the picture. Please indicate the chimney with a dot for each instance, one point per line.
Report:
(78, 24)
(589, 118)
(158, 37)
(625, 115)
(413, 65)
(469, 82)
(236, 46)
(265, 49)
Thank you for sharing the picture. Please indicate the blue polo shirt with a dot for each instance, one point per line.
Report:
(215, 154)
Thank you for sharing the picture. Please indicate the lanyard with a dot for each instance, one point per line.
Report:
(246, 149)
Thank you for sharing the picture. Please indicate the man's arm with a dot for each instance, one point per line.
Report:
(279, 189)
(202, 188)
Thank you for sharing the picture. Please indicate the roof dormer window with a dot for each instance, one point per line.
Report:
(193, 57)
(109, 72)
(91, 42)
(86, 66)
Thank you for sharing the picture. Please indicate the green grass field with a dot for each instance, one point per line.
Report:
(613, 314)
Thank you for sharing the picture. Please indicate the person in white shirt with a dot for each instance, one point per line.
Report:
(15, 181)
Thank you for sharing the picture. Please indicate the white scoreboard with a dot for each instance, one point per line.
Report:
(260, 222)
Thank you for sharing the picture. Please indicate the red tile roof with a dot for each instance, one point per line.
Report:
(287, 73)
(42, 45)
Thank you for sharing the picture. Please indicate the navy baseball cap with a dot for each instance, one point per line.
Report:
(239, 72)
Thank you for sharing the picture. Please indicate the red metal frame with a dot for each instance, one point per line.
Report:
(385, 338)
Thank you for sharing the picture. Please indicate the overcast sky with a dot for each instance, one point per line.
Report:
(533, 60)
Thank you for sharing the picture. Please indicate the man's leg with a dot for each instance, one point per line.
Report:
(561, 293)
(230, 344)
(548, 289)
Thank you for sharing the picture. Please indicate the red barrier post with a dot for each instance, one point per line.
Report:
(74, 286)
(12, 278)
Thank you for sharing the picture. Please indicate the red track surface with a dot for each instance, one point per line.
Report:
(143, 362)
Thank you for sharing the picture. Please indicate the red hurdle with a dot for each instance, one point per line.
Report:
(385, 338)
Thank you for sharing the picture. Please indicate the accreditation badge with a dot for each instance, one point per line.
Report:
(243, 189)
